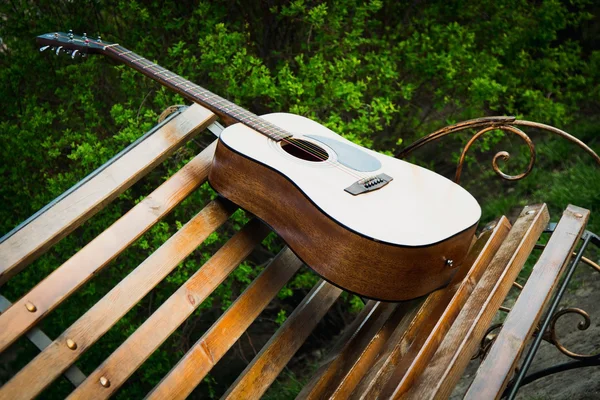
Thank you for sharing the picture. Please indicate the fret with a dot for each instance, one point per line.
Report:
(197, 93)
(152, 65)
(172, 77)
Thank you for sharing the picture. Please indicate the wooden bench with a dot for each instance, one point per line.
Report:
(416, 349)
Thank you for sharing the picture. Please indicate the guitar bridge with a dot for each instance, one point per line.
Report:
(369, 184)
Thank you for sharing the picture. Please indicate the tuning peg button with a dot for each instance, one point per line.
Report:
(74, 54)
(44, 48)
(58, 49)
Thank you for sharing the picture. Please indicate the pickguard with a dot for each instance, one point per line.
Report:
(350, 156)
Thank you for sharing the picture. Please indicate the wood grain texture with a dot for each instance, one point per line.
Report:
(454, 352)
(266, 366)
(391, 273)
(364, 359)
(224, 333)
(49, 364)
(372, 324)
(213, 345)
(364, 383)
(53, 290)
(411, 355)
(496, 369)
(28, 243)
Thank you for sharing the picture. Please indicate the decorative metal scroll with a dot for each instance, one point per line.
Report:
(551, 337)
(487, 124)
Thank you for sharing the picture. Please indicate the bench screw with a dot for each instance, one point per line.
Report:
(71, 344)
(104, 381)
(30, 307)
(578, 215)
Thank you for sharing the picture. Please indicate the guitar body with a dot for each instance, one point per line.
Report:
(369, 223)
(396, 242)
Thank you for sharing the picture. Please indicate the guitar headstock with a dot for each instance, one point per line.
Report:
(69, 43)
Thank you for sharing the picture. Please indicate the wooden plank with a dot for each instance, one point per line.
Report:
(25, 245)
(44, 368)
(86, 263)
(218, 339)
(410, 356)
(365, 360)
(269, 362)
(213, 345)
(361, 384)
(456, 348)
(494, 372)
(363, 338)
(41, 341)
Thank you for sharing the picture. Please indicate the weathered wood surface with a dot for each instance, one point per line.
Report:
(411, 355)
(213, 345)
(86, 263)
(264, 368)
(454, 352)
(496, 369)
(49, 364)
(18, 250)
(354, 351)
(363, 384)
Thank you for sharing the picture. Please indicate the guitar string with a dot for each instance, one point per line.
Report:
(178, 82)
(249, 117)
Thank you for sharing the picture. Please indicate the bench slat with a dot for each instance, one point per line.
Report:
(493, 374)
(138, 347)
(272, 358)
(362, 339)
(451, 358)
(25, 245)
(49, 364)
(340, 375)
(358, 385)
(213, 345)
(41, 341)
(80, 268)
(411, 356)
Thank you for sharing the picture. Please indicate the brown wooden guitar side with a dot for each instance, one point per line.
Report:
(345, 258)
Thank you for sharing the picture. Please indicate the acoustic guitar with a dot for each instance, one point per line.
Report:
(371, 224)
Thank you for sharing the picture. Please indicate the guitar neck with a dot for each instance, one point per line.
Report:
(220, 106)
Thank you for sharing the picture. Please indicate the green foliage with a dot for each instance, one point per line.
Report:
(381, 73)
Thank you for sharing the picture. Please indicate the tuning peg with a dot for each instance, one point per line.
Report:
(99, 39)
(70, 35)
(74, 53)
(44, 48)
(58, 49)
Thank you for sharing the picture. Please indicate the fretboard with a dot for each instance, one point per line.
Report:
(195, 93)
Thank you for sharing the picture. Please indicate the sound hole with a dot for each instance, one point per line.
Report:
(304, 150)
